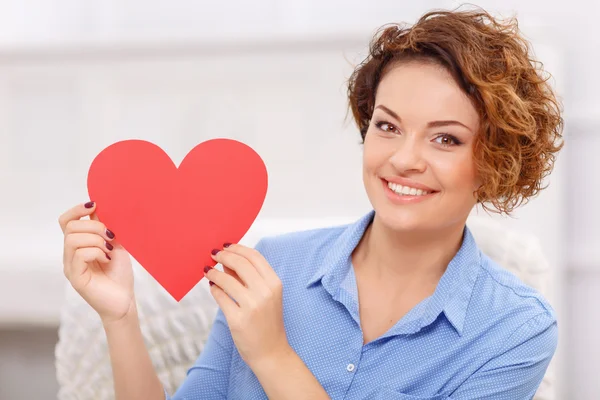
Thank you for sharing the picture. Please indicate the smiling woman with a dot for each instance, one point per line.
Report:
(402, 303)
(492, 83)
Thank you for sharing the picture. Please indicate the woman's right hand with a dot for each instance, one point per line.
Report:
(97, 267)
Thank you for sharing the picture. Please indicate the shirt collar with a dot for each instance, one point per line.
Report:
(454, 290)
(452, 294)
(337, 260)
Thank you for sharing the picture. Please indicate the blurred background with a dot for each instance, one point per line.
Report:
(77, 76)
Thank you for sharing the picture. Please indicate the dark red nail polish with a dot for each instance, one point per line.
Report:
(211, 283)
(89, 204)
(215, 251)
(226, 244)
(109, 246)
(107, 256)
(110, 234)
(206, 269)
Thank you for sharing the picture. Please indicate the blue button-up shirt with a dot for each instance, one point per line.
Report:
(483, 334)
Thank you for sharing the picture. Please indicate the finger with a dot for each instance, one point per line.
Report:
(92, 226)
(76, 241)
(257, 260)
(231, 286)
(226, 303)
(244, 269)
(229, 272)
(77, 212)
(109, 234)
(232, 273)
(82, 261)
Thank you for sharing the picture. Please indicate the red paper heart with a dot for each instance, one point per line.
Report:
(168, 218)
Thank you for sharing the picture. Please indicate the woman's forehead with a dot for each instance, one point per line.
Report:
(424, 91)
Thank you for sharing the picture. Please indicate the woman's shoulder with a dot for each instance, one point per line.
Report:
(514, 272)
(506, 295)
(510, 318)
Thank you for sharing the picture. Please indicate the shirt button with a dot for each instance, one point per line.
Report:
(350, 367)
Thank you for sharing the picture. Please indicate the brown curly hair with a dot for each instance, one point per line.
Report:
(521, 122)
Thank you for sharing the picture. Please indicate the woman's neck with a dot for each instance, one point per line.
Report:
(394, 257)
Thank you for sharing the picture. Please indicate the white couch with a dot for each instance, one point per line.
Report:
(175, 332)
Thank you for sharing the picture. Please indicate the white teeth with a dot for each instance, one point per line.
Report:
(406, 190)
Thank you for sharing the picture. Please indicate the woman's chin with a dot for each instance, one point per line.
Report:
(404, 220)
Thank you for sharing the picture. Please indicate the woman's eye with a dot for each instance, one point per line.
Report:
(447, 140)
(384, 126)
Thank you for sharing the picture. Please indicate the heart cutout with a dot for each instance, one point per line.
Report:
(168, 218)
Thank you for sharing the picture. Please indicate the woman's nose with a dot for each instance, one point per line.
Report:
(408, 156)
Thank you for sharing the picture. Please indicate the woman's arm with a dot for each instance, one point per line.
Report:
(208, 378)
(133, 372)
(286, 377)
(518, 370)
(100, 270)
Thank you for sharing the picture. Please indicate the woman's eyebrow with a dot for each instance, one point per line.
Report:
(432, 124)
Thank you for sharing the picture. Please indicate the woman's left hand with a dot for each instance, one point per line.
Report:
(255, 318)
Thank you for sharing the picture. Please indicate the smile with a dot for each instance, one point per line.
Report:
(407, 190)
(404, 195)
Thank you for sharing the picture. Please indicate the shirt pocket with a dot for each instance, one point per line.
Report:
(391, 394)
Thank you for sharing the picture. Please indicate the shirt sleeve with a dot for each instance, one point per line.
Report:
(208, 378)
(518, 371)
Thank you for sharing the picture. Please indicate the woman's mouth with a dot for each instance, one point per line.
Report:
(407, 190)
(400, 194)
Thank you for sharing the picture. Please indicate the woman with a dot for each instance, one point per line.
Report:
(400, 304)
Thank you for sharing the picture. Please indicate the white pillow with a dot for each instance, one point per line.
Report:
(174, 333)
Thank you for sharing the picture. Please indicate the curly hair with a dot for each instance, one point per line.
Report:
(521, 122)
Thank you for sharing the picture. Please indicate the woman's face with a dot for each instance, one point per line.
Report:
(418, 166)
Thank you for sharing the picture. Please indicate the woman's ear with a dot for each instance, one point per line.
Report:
(478, 182)
(478, 197)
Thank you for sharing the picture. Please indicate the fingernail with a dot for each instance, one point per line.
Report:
(211, 283)
(214, 252)
(206, 269)
(110, 234)
(226, 244)
(89, 204)
(107, 256)
(109, 246)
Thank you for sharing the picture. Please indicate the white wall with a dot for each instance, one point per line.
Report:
(77, 76)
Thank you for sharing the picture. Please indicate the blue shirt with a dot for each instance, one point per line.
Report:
(483, 334)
